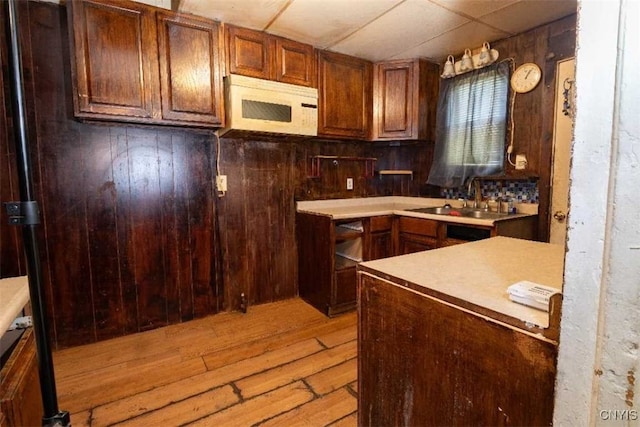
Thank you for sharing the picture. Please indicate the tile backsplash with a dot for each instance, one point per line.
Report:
(521, 191)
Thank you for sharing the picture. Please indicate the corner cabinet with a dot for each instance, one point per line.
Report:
(258, 54)
(344, 96)
(405, 99)
(138, 63)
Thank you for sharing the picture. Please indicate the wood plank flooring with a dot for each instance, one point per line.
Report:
(281, 364)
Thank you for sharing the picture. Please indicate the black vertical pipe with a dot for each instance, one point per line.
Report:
(52, 415)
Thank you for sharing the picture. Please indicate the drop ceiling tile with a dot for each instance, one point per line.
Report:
(254, 14)
(474, 8)
(527, 14)
(324, 22)
(468, 36)
(410, 24)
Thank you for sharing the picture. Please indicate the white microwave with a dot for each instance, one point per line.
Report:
(265, 106)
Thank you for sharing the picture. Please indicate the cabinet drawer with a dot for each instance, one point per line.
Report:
(380, 223)
(423, 227)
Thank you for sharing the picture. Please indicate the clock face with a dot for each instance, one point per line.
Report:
(526, 77)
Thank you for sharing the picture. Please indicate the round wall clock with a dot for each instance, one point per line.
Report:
(526, 77)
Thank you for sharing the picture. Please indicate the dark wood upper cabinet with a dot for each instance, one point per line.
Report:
(405, 100)
(138, 63)
(295, 63)
(344, 96)
(249, 52)
(116, 54)
(191, 80)
(265, 56)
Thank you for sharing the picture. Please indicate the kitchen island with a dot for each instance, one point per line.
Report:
(440, 343)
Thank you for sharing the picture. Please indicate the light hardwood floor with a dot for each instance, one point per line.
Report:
(281, 364)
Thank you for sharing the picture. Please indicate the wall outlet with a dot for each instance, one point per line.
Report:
(349, 183)
(521, 161)
(221, 183)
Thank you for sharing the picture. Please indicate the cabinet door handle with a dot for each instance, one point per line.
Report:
(560, 216)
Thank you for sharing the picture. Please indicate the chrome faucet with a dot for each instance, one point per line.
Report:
(476, 190)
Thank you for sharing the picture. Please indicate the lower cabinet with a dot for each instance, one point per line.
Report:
(328, 253)
(329, 250)
(20, 399)
(378, 237)
(419, 234)
(416, 234)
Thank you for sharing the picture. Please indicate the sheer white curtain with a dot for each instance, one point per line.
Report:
(471, 126)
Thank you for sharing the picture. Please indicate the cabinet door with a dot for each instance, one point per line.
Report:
(295, 63)
(378, 237)
(395, 97)
(115, 51)
(417, 234)
(344, 92)
(381, 245)
(250, 53)
(408, 244)
(189, 52)
(405, 98)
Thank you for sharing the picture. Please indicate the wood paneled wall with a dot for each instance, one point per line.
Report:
(128, 233)
(257, 215)
(533, 113)
(134, 234)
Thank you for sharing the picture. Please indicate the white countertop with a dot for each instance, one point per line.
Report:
(480, 272)
(14, 295)
(397, 205)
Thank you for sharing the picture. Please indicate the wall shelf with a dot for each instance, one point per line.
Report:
(384, 172)
(315, 163)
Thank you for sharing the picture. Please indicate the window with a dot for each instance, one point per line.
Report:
(471, 126)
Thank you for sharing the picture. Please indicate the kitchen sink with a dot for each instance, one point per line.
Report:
(464, 212)
(440, 210)
(481, 214)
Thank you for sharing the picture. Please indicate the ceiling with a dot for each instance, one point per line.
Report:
(386, 29)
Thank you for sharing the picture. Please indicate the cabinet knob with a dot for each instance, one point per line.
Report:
(560, 216)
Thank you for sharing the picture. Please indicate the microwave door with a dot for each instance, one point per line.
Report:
(270, 111)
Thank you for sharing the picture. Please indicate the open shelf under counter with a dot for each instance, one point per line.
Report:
(348, 231)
